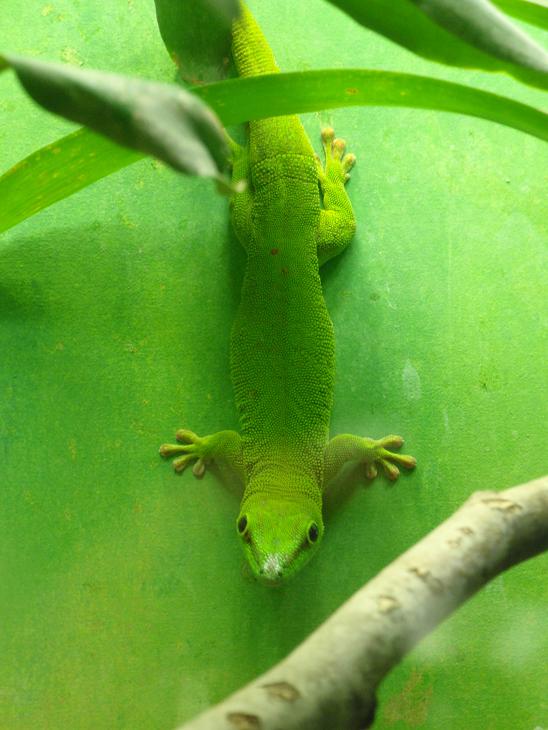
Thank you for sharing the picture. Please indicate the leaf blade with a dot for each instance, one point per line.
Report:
(526, 10)
(481, 24)
(197, 36)
(57, 171)
(239, 100)
(403, 22)
(155, 118)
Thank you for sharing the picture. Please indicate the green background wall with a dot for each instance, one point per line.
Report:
(124, 601)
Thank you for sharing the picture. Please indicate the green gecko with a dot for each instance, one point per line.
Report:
(293, 216)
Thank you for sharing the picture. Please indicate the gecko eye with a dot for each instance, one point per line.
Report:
(242, 525)
(313, 532)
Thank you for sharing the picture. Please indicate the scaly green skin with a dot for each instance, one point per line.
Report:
(282, 351)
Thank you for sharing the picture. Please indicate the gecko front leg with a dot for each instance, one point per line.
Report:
(370, 452)
(224, 448)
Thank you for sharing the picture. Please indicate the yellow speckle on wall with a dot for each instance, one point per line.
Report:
(128, 223)
(73, 449)
(71, 55)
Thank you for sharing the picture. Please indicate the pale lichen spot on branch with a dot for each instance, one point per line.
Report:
(282, 691)
(466, 530)
(503, 505)
(243, 721)
(387, 604)
(433, 583)
(455, 542)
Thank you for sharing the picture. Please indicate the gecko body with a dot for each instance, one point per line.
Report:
(294, 215)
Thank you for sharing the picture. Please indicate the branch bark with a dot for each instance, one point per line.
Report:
(330, 680)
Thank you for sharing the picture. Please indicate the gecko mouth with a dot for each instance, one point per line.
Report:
(271, 568)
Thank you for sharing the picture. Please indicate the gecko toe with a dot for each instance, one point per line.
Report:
(348, 161)
(328, 135)
(181, 463)
(337, 148)
(370, 471)
(391, 470)
(337, 163)
(185, 436)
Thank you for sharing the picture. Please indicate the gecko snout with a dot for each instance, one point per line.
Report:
(272, 567)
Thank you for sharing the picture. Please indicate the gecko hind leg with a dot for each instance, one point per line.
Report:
(337, 222)
(337, 163)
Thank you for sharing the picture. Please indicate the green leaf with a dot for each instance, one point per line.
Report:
(228, 9)
(57, 171)
(197, 36)
(481, 24)
(157, 119)
(474, 34)
(238, 100)
(531, 12)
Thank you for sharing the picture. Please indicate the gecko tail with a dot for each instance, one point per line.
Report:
(268, 138)
(252, 54)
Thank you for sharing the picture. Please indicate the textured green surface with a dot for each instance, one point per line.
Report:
(123, 600)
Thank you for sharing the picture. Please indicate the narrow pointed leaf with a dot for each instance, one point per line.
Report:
(157, 119)
(57, 171)
(531, 12)
(197, 35)
(238, 100)
(481, 24)
(439, 34)
(228, 9)
(26, 190)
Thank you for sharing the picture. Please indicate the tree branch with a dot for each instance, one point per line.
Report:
(329, 681)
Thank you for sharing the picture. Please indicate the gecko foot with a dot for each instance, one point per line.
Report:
(378, 453)
(190, 448)
(337, 163)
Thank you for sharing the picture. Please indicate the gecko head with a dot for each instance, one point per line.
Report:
(279, 536)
